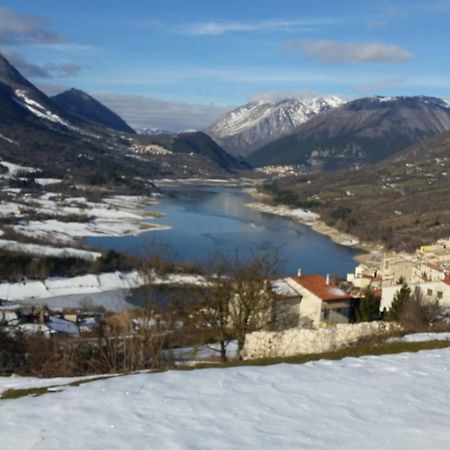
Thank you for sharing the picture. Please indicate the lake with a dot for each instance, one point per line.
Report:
(212, 219)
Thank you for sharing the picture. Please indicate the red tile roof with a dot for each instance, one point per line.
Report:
(319, 287)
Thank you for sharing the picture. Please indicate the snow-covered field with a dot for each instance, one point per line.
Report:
(114, 216)
(109, 290)
(48, 250)
(300, 214)
(388, 402)
(57, 287)
(421, 337)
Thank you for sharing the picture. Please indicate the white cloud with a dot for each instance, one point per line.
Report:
(348, 52)
(274, 96)
(219, 28)
(148, 112)
(47, 70)
(22, 29)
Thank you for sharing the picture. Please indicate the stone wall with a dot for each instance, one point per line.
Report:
(296, 341)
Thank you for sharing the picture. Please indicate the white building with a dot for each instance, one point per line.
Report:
(321, 300)
(433, 291)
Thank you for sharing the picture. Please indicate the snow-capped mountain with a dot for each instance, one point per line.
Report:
(361, 132)
(152, 131)
(255, 124)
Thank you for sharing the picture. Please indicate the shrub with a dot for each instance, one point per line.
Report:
(416, 313)
(400, 298)
(368, 308)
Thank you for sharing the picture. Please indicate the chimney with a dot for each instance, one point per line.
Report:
(299, 272)
(327, 279)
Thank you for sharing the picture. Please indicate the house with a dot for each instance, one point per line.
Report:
(315, 299)
(397, 266)
(438, 291)
(364, 278)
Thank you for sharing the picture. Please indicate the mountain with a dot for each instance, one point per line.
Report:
(195, 143)
(152, 131)
(401, 202)
(36, 131)
(21, 100)
(255, 124)
(360, 132)
(78, 103)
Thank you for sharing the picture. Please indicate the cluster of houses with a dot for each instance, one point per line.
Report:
(152, 149)
(282, 171)
(309, 301)
(317, 301)
(15, 318)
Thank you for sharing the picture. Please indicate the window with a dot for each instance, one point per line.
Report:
(326, 314)
(439, 295)
(429, 292)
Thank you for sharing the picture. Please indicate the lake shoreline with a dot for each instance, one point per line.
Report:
(368, 252)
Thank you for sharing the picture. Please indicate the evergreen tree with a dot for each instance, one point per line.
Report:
(400, 298)
(368, 308)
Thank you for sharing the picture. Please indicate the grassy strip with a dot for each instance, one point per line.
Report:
(365, 349)
(11, 394)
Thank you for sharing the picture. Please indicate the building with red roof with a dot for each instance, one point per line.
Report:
(321, 300)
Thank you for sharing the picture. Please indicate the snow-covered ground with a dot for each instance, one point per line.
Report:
(114, 216)
(68, 231)
(37, 109)
(114, 301)
(109, 290)
(421, 337)
(14, 382)
(57, 287)
(300, 214)
(48, 250)
(385, 402)
(14, 169)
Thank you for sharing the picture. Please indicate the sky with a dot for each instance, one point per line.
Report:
(178, 64)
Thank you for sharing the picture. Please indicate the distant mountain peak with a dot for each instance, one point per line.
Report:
(80, 104)
(363, 131)
(261, 121)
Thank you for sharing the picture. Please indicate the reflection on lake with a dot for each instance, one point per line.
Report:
(205, 220)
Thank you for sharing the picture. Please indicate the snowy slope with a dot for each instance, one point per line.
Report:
(389, 402)
(255, 124)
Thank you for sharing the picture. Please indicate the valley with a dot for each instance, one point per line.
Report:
(224, 225)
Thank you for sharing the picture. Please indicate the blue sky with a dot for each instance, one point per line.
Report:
(216, 54)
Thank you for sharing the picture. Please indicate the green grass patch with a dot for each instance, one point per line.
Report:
(12, 394)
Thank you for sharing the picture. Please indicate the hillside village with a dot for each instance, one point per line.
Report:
(305, 313)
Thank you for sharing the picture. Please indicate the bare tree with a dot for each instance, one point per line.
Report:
(251, 307)
(215, 302)
(238, 298)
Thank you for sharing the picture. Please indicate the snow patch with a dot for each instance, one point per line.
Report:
(47, 250)
(371, 403)
(84, 284)
(37, 109)
(8, 140)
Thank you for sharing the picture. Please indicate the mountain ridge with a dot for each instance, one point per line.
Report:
(359, 132)
(254, 124)
(401, 202)
(82, 105)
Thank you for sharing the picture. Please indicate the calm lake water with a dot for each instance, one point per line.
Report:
(209, 219)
